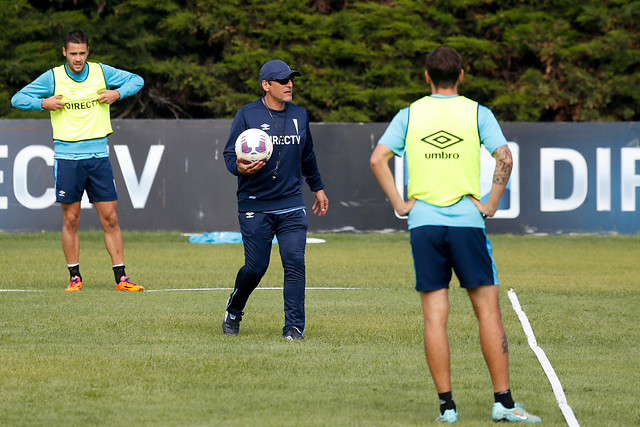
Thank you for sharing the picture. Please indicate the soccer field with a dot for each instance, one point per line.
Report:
(101, 357)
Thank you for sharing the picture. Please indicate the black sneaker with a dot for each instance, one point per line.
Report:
(231, 323)
(293, 334)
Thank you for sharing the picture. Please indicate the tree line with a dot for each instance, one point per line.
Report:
(361, 61)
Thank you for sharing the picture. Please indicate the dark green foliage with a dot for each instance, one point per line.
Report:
(544, 60)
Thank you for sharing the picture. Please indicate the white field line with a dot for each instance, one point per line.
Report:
(258, 288)
(211, 289)
(544, 361)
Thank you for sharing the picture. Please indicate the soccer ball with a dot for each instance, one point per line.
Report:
(253, 145)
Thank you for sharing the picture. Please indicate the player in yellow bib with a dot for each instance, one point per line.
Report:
(441, 136)
(78, 95)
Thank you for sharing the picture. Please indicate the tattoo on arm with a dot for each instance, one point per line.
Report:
(505, 345)
(504, 164)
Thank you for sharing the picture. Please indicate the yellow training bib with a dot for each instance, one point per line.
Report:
(443, 150)
(83, 117)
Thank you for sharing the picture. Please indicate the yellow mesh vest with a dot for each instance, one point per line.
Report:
(83, 116)
(443, 150)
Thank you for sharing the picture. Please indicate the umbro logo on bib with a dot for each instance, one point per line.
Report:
(442, 139)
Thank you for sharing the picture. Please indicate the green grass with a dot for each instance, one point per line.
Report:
(101, 357)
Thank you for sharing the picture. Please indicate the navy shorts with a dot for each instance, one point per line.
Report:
(439, 250)
(95, 176)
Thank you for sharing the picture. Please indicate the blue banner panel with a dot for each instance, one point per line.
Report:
(575, 177)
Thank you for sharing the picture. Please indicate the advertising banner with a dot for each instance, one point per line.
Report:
(170, 175)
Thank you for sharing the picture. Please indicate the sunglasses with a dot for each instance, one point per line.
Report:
(283, 81)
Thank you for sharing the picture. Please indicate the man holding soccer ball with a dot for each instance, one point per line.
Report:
(270, 201)
(441, 136)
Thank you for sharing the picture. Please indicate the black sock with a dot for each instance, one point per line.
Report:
(505, 398)
(118, 272)
(446, 401)
(74, 270)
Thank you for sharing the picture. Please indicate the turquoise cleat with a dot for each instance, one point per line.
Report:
(449, 416)
(515, 415)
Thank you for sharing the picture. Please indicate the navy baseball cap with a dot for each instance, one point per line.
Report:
(276, 70)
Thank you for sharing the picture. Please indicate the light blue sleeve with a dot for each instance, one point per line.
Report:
(124, 82)
(490, 132)
(30, 97)
(396, 133)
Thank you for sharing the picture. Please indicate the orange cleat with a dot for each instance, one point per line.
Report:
(127, 285)
(75, 285)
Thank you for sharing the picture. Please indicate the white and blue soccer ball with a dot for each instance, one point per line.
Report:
(254, 145)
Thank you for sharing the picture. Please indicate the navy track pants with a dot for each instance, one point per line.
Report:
(258, 230)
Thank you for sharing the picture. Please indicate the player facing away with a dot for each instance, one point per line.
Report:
(441, 136)
(78, 95)
(270, 201)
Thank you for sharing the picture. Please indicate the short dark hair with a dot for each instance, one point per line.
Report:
(77, 37)
(444, 65)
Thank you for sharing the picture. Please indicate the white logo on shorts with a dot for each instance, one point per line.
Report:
(249, 215)
(61, 193)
